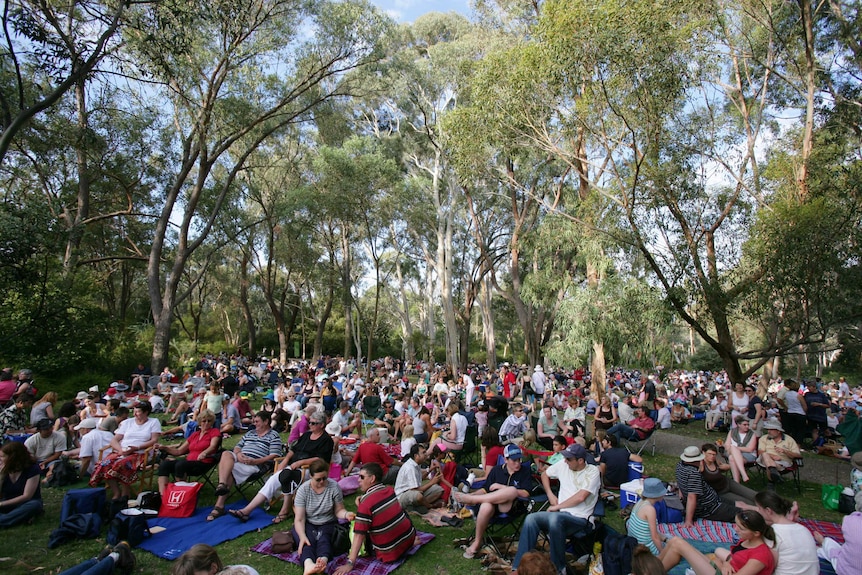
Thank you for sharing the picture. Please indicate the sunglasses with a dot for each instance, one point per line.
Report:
(319, 479)
(363, 476)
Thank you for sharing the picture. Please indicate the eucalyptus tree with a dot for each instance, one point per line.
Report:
(671, 115)
(50, 50)
(232, 76)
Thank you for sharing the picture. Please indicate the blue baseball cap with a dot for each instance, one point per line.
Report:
(512, 451)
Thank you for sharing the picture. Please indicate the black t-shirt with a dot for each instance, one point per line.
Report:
(752, 406)
(229, 385)
(616, 460)
(306, 447)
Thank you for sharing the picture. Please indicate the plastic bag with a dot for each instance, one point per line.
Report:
(829, 495)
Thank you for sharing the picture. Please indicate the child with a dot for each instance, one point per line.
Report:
(407, 438)
(845, 558)
(482, 417)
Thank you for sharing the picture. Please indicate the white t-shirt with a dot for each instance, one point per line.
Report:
(460, 427)
(134, 434)
(44, 447)
(572, 482)
(92, 443)
(797, 550)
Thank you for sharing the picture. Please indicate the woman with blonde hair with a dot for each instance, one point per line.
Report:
(44, 408)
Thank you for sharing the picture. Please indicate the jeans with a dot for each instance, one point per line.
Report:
(623, 431)
(559, 526)
(92, 567)
(21, 513)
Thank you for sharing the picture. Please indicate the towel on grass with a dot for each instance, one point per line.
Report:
(181, 533)
(363, 566)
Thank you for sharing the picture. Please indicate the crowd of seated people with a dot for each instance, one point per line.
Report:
(570, 476)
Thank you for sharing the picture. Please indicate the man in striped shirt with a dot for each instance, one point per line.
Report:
(380, 519)
(255, 452)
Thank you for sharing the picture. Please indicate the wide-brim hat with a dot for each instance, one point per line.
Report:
(773, 424)
(653, 487)
(315, 395)
(692, 454)
(856, 460)
(332, 428)
(82, 395)
(538, 368)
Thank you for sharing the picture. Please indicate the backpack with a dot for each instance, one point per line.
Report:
(617, 551)
(62, 474)
(130, 528)
(78, 525)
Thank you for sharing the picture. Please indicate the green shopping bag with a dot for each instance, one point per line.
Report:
(829, 495)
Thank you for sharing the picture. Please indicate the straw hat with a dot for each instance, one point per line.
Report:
(856, 460)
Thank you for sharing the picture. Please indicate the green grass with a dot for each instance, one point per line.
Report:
(24, 549)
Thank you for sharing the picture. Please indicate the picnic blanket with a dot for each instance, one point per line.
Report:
(706, 535)
(181, 533)
(363, 566)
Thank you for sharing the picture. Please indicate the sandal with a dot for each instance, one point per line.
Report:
(280, 517)
(244, 517)
(215, 513)
(222, 489)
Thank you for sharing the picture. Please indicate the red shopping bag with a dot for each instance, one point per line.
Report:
(180, 499)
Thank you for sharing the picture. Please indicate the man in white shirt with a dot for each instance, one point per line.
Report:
(45, 445)
(570, 513)
(470, 388)
(410, 489)
(625, 411)
(93, 440)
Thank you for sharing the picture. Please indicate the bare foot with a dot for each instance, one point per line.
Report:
(319, 565)
(818, 537)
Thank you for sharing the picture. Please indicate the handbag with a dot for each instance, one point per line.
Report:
(282, 542)
(341, 538)
(180, 499)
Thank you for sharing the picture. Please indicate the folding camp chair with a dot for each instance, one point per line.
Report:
(504, 529)
(793, 471)
(468, 455)
(647, 442)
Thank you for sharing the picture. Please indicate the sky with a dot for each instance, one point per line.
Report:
(409, 10)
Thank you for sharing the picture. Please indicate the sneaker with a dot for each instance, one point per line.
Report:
(126, 562)
(774, 476)
(470, 479)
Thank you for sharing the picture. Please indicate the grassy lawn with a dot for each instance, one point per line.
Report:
(24, 549)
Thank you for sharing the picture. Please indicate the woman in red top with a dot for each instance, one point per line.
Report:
(751, 556)
(201, 446)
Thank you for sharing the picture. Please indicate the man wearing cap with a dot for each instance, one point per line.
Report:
(370, 451)
(570, 513)
(503, 486)
(93, 440)
(777, 450)
(701, 501)
(46, 445)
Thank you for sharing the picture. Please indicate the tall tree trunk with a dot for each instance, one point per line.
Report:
(246, 308)
(488, 333)
(597, 367)
(76, 222)
(403, 310)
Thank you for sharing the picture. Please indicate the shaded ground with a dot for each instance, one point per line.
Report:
(817, 468)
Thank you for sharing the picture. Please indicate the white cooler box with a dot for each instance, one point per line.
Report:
(630, 492)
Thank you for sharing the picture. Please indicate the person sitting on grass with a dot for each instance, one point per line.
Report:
(20, 489)
(411, 491)
(381, 523)
(614, 462)
(751, 555)
(46, 446)
(643, 522)
(370, 451)
(699, 498)
(318, 507)
(503, 486)
(796, 548)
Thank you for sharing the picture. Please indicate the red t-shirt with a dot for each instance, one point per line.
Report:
(740, 556)
(369, 452)
(492, 456)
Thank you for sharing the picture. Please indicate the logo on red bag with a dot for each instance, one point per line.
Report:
(176, 497)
